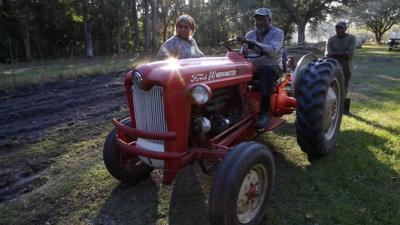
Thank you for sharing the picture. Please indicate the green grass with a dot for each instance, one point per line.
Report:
(359, 183)
(35, 73)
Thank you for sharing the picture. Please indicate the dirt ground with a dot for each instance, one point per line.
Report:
(52, 171)
(29, 114)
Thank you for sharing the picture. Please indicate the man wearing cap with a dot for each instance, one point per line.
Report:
(268, 67)
(341, 47)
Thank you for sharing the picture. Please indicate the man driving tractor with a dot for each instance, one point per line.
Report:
(268, 67)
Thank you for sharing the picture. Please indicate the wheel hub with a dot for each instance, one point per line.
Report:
(252, 193)
(130, 162)
(331, 111)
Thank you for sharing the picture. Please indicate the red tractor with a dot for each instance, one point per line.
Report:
(205, 109)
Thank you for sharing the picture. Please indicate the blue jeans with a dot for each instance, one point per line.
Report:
(268, 75)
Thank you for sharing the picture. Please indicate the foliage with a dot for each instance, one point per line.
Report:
(64, 28)
(378, 16)
(303, 12)
(43, 29)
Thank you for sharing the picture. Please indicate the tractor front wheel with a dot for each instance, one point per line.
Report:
(126, 168)
(242, 185)
(319, 110)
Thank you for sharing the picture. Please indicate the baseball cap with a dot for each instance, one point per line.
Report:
(341, 24)
(263, 12)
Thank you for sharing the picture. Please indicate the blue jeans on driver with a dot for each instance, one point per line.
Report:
(267, 75)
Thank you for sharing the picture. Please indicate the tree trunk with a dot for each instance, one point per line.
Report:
(190, 7)
(163, 16)
(10, 48)
(378, 37)
(88, 39)
(214, 23)
(119, 34)
(301, 28)
(27, 44)
(146, 25)
(135, 27)
(120, 18)
(106, 43)
(154, 22)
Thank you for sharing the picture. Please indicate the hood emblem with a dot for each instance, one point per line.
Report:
(212, 75)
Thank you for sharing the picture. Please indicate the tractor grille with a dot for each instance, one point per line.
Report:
(149, 110)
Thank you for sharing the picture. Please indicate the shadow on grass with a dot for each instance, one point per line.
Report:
(378, 126)
(145, 204)
(353, 185)
(130, 205)
(188, 199)
(350, 186)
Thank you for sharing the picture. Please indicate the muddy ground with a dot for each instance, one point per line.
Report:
(28, 115)
(51, 166)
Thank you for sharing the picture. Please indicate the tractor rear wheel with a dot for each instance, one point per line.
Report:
(242, 185)
(126, 168)
(319, 110)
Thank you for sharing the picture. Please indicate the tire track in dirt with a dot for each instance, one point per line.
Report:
(29, 114)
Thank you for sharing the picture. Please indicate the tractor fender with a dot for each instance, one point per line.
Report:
(300, 69)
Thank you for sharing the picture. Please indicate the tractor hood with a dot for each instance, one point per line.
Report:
(175, 75)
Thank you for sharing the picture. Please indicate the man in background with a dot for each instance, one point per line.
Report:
(341, 47)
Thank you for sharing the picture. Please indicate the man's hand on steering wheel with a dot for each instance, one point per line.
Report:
(239, 39)
(254, 45)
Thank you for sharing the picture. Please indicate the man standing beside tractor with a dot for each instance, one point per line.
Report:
(267, 67)
(341, 47)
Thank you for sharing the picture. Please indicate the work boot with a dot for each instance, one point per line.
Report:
(346, 108)
(262, 121)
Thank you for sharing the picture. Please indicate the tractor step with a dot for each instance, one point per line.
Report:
(273, 123)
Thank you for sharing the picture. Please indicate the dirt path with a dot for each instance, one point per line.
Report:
(30, 114)
(51, 169)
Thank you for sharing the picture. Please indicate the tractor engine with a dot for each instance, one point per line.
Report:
(222, 111)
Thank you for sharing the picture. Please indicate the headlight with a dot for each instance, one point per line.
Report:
(137, 79)
(201, 94)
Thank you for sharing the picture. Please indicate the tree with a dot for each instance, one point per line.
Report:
(86, 12)
(378, 16)
(146, 25)
(120, 8)
(303, 12)
(68, 28)
(170, 10)
(154, 24)
(214, 22)
(18, 13)
(135, 26)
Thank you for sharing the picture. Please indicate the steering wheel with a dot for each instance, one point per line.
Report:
(247, 49)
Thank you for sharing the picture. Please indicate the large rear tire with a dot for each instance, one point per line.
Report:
(242, 186)
(320, 104)
(126, 168)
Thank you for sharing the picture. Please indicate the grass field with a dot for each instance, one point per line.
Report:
(359, 183)
(41, 72)
(26, 74)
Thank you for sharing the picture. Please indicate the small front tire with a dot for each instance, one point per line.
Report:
(126, 168)
(242, 186)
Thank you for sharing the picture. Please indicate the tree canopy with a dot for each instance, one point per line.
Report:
(378, 16)
(43, 29)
